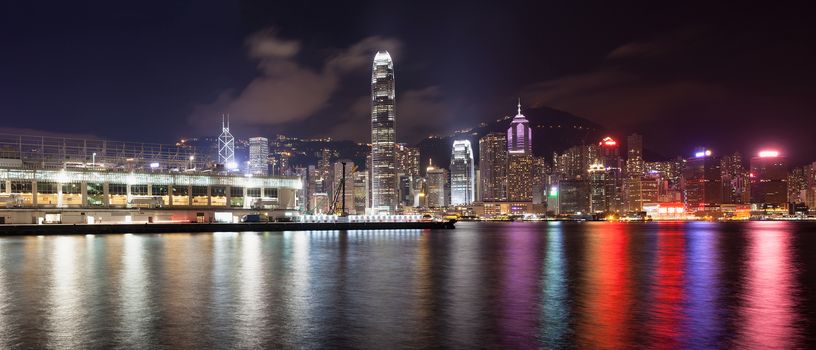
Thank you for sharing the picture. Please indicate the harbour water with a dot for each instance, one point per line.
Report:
(482, 285)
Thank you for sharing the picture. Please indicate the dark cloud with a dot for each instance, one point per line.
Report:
(287, 90)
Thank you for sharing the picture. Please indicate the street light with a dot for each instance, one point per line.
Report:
(192, 158)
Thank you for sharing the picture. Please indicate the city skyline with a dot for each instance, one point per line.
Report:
(252, 174)
(675, 83)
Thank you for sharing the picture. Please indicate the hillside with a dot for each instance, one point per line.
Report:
(553, 130)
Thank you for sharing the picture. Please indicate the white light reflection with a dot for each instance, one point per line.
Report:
(6, 326)
(252, 304)
(464, 282)
(65, 317)
(299, 283)
(133, 293)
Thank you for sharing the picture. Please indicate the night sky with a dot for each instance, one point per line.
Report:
(728, 76)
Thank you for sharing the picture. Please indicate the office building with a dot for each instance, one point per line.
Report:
(258, 156)
(226, 146)
(462, 173)
(702, 183)
(493, 167)
(360, 191)
(383, 135)
(769, 181)
(436, 194)
(735, 178)
(520, 159)
(634, 156)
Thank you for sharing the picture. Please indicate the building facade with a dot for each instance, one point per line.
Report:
(634, 156)
(493, 167)
(520, 159)
(436, 195)
(769, 181)
(258, 156)
(462, 173)
(383, 135)
(702, 183)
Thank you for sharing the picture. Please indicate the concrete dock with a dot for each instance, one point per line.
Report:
(83, 229)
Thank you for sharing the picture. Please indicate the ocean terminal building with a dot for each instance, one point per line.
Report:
(59, 180)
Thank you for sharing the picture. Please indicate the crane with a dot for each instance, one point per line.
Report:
(341, 194)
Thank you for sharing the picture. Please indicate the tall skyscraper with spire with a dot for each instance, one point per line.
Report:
(519, 134)
(520, 160)
(226, 145)
(383, 135)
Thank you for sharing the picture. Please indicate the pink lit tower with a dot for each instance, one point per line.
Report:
(520, 159)
(519, 135)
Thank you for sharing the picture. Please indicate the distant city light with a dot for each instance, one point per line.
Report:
(232, 165)
(701, 154)
(768, 154)
(154, 165)
(608, 141)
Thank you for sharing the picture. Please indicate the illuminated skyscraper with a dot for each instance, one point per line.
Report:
(493, 167)
(462, 173)
(736, 182)
(226, 146)
(769, 180)
(520, 160)
(634, 156)
(407, 174)
(437, 193)
(258, 156)
(613, 177)
(383, 135)
(702, 182)
(519, 134)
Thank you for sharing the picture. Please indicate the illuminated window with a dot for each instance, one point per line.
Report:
(158, 190)
(73, 188)
(199, 191)
(139, 190)
(180, 190)
(46, 187)
(218, 191)
(117, 189)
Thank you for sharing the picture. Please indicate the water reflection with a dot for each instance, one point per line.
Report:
(250, 314)
(519, 294)
(702, 324)
(767, 315)
(554, 296)
(66, 315)
(133, 293)
(668, 293)
(606, 294)
(503, 285)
